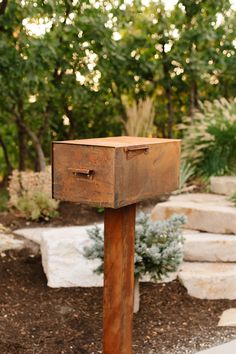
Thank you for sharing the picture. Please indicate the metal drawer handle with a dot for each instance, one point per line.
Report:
(133, 151)
(83, 172)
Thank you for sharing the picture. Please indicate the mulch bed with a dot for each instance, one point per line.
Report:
(35, 319)
(69, 214)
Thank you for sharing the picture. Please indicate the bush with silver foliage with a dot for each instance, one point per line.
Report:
(158, 246)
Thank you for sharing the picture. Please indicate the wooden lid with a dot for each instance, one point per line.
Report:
(117, 141)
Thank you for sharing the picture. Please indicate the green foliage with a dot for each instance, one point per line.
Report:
(233, 198)
(100, 210)
(4, 197)
(158, 246)
(37, 205)
(68, 82)
(97, 250)
(209, 143)
(186, 172)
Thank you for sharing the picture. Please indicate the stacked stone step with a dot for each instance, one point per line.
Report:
(209, 268)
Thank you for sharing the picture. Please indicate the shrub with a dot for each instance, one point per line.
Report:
(158, 246)
(158, 249)
(4, 197)
(29, 182)
(37, 205)
(30, 193)
(186, 172)
(209, 142)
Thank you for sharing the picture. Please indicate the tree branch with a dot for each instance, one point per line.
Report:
(5, 154)
(3, 6)
(32, 136)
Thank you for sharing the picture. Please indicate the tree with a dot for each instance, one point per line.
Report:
(197, 44)
(74, 79)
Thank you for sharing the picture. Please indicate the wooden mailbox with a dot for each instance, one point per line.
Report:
(116, 173)
(113, 172)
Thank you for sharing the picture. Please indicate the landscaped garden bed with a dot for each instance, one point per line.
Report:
(37, 319)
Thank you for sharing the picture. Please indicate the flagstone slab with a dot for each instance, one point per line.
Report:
(228, 318)
(8, 242)
(209, 280)
(33, 234)
(62, 251)
(205, 212)
(223, 185)
(207, 247)
(227, 348)
(63, 261)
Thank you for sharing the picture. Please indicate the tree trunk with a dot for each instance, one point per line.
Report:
(196, 104)
(225, 89)
(136, 295)
(193, 98)
(170, 113)
(123, 115)
(3, 7)
(7, 161)
(22, 148)
(41, 163)
(167, 86)
(24, 129)
(72, 130)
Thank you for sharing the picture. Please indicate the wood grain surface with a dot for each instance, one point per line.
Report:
(118, 280)
(122, 170)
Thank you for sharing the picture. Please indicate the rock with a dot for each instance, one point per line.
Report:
(209, 280)
(33, 234)
(63, 260)
(167, 279)
(189, 231)
(223, 185)
(8, 242)
(227, 348)
(206, 247)
(4, 230)
(205, 212)
(228, 318)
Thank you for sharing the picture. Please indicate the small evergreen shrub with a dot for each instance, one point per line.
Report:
(209, 138)
(158, 246)
(37, 205)
(30, 193)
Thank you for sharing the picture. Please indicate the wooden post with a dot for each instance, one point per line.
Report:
(118, 280)
(121, 179)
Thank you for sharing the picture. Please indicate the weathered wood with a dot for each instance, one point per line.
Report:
(123, 170)
(118, 280)
(113, 173)
(71, 186)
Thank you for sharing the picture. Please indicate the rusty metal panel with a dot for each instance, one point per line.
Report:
(114, 172)
(83, 174)
(150, 171)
